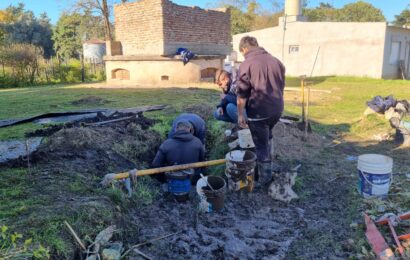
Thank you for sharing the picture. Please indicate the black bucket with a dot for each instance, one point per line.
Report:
(215, 198)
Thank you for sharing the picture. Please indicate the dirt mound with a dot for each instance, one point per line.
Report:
(290, 142)
(90, 100)
(251, 226)
(203, 110)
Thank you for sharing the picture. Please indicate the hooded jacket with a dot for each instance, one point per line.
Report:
(197, 122)
(182, 148)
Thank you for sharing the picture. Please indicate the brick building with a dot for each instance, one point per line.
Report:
(148, 34)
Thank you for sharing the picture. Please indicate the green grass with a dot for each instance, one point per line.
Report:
(339, 112)
(335, 111)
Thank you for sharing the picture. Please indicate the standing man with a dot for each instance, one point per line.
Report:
(261, 80)
(227, 109)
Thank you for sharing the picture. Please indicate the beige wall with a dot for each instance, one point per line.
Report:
(351, 49)
(401, 36)
(150, 71)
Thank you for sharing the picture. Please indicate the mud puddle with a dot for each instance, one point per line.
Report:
(251, 226)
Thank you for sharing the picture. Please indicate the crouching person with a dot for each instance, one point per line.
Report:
(227, 109)
(181, 148)
(197, 123)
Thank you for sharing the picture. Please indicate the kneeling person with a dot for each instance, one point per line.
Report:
(181, 148)
(197, 123)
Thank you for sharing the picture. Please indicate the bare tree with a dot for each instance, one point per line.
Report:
(101, 7)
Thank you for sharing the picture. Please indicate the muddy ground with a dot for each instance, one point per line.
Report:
(251, 225)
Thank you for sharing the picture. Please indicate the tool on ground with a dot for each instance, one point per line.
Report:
(376, 240)
(108, 178)
(207, 183)
(392, 220)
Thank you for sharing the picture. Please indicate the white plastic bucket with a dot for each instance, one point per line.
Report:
(245, 139)
(375, 175)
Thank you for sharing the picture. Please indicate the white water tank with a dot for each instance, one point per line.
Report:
(293, 7)
(94, 51)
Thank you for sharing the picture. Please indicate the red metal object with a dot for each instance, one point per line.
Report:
(396, 239)
(404, 216)
(376, 240)
(389, 221)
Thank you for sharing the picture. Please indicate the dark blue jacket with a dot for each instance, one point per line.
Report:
(197, 122)
(230, 94)
(182, 148)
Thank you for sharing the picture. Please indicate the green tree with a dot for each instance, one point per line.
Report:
(403, 18)
(360, 11)
(324, 12)
(72, 30)
(67, 36)
(22, 27)
(248, 15)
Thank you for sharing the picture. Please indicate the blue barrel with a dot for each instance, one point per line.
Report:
(179, 184)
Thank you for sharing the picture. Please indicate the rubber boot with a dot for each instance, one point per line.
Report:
(265, 173)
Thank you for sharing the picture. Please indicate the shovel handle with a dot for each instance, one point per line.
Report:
(171, 168)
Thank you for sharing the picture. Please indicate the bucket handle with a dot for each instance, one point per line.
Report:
(373, 184)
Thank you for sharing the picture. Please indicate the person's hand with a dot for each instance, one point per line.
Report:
(220, 111)
(242, 122)
(222, 95)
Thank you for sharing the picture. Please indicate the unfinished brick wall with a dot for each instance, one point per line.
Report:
(159, 27)
(202, 31)
(139, 27)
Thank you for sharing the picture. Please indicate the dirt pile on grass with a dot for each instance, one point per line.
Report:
(99, 149)
(292, 143)
(90, 100)
(203, 110)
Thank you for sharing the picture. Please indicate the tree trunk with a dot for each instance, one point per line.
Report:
(106, 15)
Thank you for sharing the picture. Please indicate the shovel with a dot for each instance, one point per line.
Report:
(108, 178)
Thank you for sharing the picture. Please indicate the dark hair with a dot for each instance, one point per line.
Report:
(248, 42)
(184, 125)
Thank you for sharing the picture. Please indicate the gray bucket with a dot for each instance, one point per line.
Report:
(240, 169)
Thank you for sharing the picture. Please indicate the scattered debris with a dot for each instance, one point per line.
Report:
(281, 187)
(74, 234)
(377, 241)
(63, 115)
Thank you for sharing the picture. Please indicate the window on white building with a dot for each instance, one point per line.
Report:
(293, 49)
(395, 53)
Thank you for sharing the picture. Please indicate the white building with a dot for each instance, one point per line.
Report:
(372, 49)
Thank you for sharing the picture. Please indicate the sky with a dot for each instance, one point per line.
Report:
(53, 8)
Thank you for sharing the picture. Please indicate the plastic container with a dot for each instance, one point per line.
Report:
(375, 175)
(179, 184)
(211, 200)
(240, 170)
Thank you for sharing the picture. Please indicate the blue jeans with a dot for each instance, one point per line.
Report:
(230, 114)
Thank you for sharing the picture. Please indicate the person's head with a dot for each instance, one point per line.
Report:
(185, 126)
(247, 43)
(222, 79)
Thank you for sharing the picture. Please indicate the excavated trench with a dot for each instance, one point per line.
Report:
(251, 225)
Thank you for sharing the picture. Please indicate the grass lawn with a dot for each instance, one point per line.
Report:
(336, 111)
(337, 114)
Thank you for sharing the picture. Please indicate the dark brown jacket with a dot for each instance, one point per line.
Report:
(261, 80)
